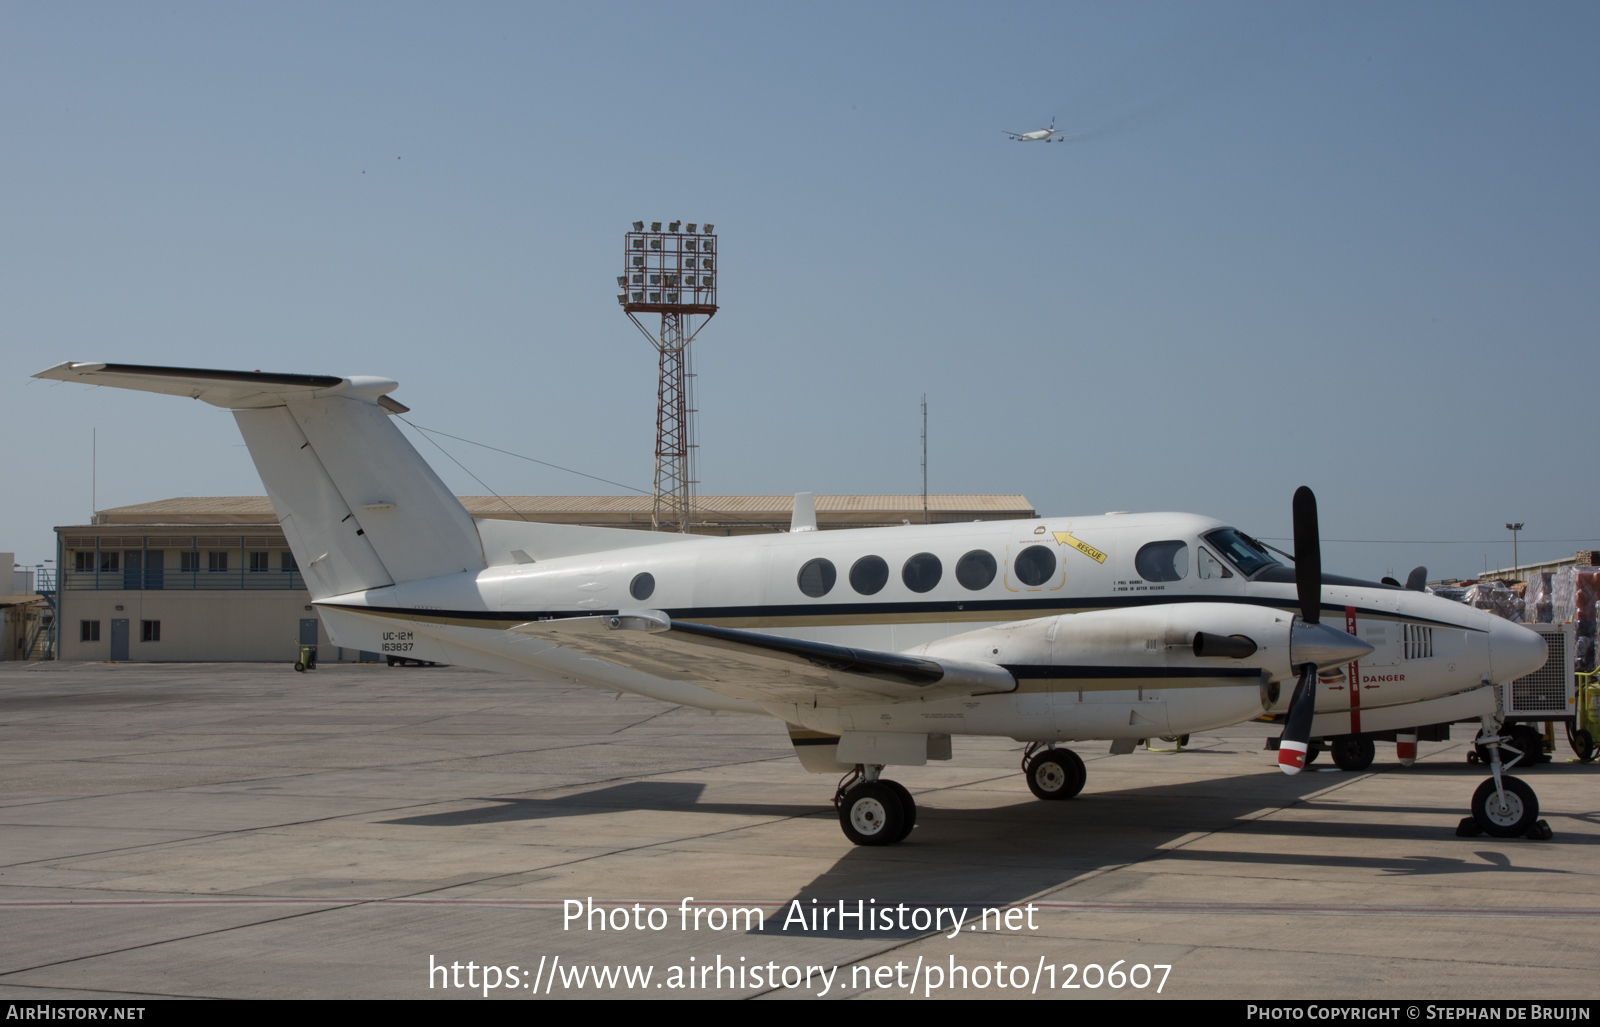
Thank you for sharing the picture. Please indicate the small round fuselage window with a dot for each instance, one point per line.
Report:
(817, 577)
(1034, 565)
(922, 572)
(869, 574)
(976, 569)
(642, 586)
(1163, 561)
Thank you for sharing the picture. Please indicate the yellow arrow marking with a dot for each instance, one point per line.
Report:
(1066, 539)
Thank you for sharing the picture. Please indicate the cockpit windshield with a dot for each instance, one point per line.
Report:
(1241, 550)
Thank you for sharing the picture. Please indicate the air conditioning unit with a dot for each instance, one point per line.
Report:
(1551, 692)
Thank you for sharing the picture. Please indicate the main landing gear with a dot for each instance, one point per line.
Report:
(1053, 773)
(874, 810)
(1503, 806)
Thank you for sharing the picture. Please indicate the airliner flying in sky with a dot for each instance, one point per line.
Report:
(1040, 135)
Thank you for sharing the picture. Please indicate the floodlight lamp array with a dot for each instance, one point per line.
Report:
(669, 271)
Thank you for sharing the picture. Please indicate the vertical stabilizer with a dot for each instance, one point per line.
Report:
(360, 507)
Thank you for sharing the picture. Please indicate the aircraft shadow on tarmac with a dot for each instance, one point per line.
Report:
(659, 796)
(963, 857)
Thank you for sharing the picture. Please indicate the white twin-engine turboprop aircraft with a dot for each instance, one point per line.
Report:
(873, 645)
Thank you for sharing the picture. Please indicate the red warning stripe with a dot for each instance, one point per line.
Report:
(1354, 671)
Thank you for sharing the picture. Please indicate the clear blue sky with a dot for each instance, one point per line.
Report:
(1349, 245)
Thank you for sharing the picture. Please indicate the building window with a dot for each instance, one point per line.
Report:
(149, 631)
(88, 631)
(83, 561)
(1034, 565)
(259, 563)
(286, 562)
(216, 561)
(110, 561)
(189, 561)
(817, 577)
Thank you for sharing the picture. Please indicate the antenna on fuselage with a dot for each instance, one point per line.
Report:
(924, 458)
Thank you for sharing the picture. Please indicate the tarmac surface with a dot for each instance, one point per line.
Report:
(240, 830)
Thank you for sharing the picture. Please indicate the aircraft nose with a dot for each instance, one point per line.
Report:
(1514, 651)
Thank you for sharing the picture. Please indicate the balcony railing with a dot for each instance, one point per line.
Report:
(166, 579)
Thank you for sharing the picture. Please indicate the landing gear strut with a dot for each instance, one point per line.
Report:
(874, 810)
(1503, 806)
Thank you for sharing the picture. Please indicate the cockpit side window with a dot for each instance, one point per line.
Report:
(1241, 550)
(1163, 561)
(1210, 566)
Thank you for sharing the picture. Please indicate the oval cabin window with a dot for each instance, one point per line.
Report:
(1035, 565)
(817, 578)
(976, 570)
(642, 586)
(922, 572)
(869, 575)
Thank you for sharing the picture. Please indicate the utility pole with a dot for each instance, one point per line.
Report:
(1514, 528)
(924, 458)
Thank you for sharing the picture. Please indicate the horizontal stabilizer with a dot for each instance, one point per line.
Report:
(235, 390)
(760, 667)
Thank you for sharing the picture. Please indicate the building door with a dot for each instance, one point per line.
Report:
(308, 631)
(155, 565)
(119, 638)
(132, 570)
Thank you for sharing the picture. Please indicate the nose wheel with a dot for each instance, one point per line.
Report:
(1503, 806)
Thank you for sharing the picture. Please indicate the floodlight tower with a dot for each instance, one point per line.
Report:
(672, 273)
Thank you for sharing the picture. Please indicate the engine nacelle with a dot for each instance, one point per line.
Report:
(1192, 637)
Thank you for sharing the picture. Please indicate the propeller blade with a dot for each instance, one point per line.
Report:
(1297, 728)
(1307, 556)
(1417, 580)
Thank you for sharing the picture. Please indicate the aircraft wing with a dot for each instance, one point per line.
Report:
(760, 667)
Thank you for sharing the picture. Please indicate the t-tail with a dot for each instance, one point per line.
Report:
(359, 506)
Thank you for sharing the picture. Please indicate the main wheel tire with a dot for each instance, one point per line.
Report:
(1056, 774)
(1353, 752)
(1313, 750)
(908, 807)
(1582, 744)
(1519, 814)
(871, 814)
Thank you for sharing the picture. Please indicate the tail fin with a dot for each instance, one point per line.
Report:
(360, 507)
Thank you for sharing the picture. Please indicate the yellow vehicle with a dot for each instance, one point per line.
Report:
(1583, 728)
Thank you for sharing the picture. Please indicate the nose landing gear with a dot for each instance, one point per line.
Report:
(874, 810)
(1503, 806)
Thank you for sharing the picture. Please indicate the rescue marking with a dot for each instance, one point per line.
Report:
(1065, 538)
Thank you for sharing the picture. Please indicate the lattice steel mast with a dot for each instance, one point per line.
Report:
(674, 274)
